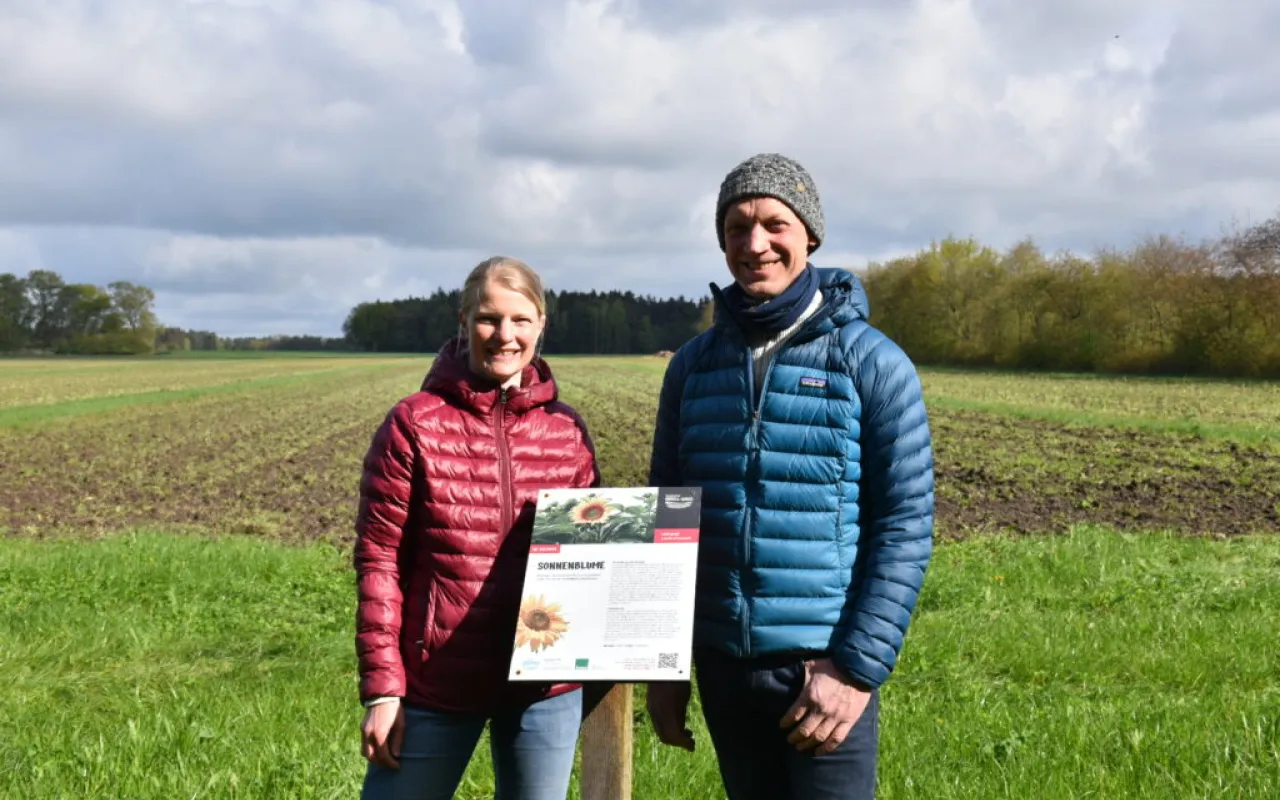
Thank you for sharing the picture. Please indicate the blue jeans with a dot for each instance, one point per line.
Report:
(743, 700)
(532, 751)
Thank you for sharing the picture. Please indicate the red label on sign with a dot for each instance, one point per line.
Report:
(544, 548)
(675, 535)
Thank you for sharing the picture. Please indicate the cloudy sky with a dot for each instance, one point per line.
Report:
(265, 165)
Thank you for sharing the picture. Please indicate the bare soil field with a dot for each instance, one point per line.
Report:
(273, 446)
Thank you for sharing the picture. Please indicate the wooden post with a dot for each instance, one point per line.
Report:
(606, 747)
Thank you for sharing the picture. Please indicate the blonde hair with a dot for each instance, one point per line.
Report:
(509, 273)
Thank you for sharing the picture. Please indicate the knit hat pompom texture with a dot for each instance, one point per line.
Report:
(772, 175)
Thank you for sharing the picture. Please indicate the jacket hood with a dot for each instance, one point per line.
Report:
(844, 299)
(844, 292)
(450, 375)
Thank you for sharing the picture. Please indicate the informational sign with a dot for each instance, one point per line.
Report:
(608, 592)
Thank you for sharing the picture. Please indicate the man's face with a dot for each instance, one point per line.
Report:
(765, 244)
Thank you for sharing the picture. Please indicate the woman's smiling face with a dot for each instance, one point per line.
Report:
(502, 333)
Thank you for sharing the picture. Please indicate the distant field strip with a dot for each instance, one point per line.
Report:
(273, 445)
(90, 380)
(28, 415)
(1248, 409)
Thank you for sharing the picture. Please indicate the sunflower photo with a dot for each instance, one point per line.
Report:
(595, 516)
(541, 623)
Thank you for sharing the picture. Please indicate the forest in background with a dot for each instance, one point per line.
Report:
(41, 313)
(597, 323)
(1165, 306)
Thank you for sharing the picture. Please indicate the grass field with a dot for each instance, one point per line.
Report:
(1093, 664)
(206, 651)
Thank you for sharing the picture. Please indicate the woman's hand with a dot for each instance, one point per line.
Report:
(382, 733)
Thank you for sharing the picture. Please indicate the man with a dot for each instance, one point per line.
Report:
(806, 429)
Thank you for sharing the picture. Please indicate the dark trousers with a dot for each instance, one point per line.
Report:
(743, 701)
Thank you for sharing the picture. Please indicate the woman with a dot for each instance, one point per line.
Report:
(446, 514)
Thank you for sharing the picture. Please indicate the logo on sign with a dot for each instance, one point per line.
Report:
(677, 501)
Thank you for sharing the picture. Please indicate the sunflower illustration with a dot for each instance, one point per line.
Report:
(591, 510)
(541, 624)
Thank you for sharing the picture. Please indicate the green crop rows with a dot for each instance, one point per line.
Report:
(273, 446)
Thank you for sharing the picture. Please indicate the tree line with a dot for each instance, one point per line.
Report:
(178, 339)
(611, 322)
(1163, 307)
(42, 312)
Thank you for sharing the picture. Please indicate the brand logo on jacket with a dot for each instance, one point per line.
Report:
(810, 382)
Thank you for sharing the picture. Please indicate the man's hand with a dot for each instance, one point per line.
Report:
(382, 733)
(827, 708)
(668, 704)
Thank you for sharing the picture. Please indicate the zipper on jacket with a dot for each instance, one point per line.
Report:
(753, 471)
(504, 466)
(753, 476)
(755, 416)
(753, 479)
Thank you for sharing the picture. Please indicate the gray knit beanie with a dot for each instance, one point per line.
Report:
(772, 175)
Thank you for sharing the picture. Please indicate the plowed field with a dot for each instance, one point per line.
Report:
(273, 445)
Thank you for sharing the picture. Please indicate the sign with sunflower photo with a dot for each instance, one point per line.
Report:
(608, 591)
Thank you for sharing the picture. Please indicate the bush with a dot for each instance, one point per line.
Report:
(121, 343)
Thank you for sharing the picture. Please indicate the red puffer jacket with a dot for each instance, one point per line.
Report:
(446, 514)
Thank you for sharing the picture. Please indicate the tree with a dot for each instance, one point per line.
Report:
(43, 290)
(134, 303)
(84, 309)
(706, 317)
(44, 312)
(15, 313)
(204, 340)
(642, 340)
(171, 339)
(617, 330)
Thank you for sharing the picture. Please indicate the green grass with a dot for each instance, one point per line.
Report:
(1250, 433)
(1091, 665)
(1239, 409)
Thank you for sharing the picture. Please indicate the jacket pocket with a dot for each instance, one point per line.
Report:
(427, 630)
(844, 544)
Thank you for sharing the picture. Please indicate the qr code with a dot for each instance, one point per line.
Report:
(668, 660)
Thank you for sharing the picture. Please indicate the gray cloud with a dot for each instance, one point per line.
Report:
(266, 164)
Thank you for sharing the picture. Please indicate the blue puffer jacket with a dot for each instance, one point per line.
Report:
(817, 522)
